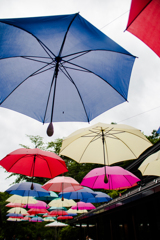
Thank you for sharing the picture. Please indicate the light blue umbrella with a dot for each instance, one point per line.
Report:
(83, 193)
(100, 197)
(15, 215)
(28, 189)
(61, 68)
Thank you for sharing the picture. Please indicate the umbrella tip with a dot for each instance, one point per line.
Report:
(32, 187)
(50, 129)
(105, 179)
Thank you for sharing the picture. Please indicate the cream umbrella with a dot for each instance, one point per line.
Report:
(18, 210)
(49, 219)
(105, 144)
(62, 203)
(14, 219)
(77, 211)
(20, 199)
(151, 165)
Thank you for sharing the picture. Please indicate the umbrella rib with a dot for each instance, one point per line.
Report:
(85, 150)
(93, 50)
(126, 145)
(89, 71)
(70, 78)
(43, 157)
(79, 54)
(127, 180)
(49, 96)
(40, 42)
(36, 59)
(16, 162)
(34, 73)
(66, 34)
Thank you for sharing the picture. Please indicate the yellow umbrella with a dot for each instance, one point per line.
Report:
(64, 203)
(19, 199)
(151, 165)
(18, 210)
(105, 144)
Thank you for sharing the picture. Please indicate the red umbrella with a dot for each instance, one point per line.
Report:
(36, 211)
(34, 163)
(144, 22)
(64, 217)
(57, 212)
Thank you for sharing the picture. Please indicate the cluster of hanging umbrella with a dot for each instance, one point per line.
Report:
(68, 63)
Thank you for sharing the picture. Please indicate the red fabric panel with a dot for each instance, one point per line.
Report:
(147, 26)
(136, 7)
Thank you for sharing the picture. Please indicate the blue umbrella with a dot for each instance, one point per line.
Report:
(36, 219)
(100, 197)
(15, 215)
(28, 189)
(61, 68)
(80, 194)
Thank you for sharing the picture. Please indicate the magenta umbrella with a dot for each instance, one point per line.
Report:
(83, 206)
(39, 205)
(117, 177)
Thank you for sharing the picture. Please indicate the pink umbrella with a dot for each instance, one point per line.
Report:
(11, 205)
(118, 178)
(83, 206)
(60, 184)
(39, 205)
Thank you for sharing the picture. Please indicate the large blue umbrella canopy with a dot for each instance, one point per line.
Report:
(81, 194)
(28, 189)
(98, 198)
(61, 68)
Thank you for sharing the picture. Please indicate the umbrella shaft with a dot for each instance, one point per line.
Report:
(104, 150)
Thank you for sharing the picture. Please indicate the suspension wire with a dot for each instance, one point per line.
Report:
(139, 114)
(114, 19)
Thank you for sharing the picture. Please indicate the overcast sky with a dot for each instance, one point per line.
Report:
(142, 110)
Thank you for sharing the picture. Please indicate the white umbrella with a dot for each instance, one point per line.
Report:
(105, 144)
(56, 224)
(18, 210)
(151, 165)
(20, 199)
(62, 203)
(77, 211)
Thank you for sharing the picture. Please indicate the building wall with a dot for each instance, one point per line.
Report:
(138, 220)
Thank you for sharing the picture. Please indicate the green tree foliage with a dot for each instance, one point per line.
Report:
(154, 137)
